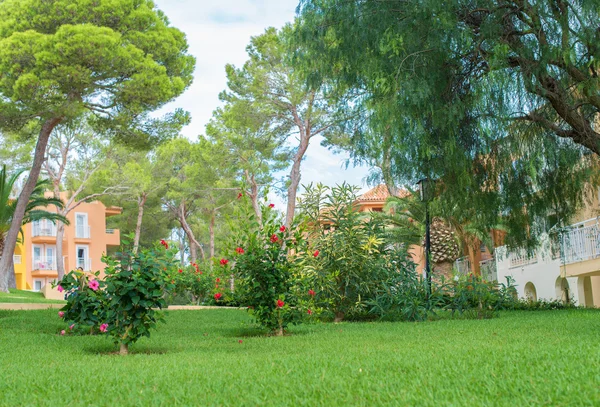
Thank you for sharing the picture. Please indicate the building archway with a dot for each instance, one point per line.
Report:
(530, 292)
(584, 286)
(563, 291)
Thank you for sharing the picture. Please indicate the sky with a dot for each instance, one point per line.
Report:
(218, 32)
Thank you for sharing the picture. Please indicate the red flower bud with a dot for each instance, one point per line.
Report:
(280, 304)
(239, 250)
(180, 270)
(274, 239)
(164, 243)
(282, 228)
(271, 205)
(309, 312)
(240, 195)
(224, 262)
(316, 253)
(218, 296)
(311, 293)
(218, 280)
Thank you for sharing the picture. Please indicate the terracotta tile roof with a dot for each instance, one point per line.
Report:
(380, 193)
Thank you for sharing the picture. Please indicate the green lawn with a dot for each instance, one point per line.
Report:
(21, 296)
(520, 359)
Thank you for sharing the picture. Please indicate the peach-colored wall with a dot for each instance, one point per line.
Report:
(97, 243)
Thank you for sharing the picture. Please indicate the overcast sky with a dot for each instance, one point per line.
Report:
(218, 32)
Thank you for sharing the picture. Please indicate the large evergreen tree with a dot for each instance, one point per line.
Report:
(119, 60)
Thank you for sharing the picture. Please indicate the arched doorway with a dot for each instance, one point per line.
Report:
(530, 292)
(586, 297)
(563, 291)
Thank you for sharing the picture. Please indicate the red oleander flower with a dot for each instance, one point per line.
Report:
(164, 243)
(282, 228)
(218, 296)
(309, 312)
(316, 253)
(280, 304)
(224, 262)
(311, 293)
(271, 205)
(274, 239)
(239, 250)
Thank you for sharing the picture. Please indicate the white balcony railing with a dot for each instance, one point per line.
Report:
(522, 258)
(581, 242)
(17, 259)
(43, 263)
(82, 232)
(40, 229)
(85, 264)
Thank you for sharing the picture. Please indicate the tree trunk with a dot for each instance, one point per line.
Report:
(17, 220)
(254, 197)
(193, 251)
(138, 225)
(475, 268)
(60, 266)
(124, 349)
(295, 178)
(339, 316)
(212, 235)
(12, 278)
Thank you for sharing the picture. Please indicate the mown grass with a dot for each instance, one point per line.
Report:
(520, 359)
(21, 296)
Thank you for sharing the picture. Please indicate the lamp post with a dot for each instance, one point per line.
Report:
(425, 186)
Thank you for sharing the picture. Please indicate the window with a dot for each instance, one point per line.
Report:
(37, 285)
(82, 230)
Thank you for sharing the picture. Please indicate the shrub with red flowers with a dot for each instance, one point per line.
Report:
(193, 284)
(263, 263)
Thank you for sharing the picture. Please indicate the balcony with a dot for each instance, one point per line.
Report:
(85, 264)
(82, 232)
(580, 248)
(43, 232)
(113, 237)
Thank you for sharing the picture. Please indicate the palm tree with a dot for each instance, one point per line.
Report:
(452, 231)
(32, 211)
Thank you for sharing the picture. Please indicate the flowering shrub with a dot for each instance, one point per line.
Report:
(263, 268)
(134, 285)
(344, 259)
(85, 299)
(192, 284)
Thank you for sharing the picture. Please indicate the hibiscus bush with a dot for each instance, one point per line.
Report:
(135, 285)
(85, 300)
(262, 264)
(193, 284)
(344, 260)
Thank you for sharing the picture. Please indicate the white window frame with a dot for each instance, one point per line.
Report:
(86, 258)
(85, 226)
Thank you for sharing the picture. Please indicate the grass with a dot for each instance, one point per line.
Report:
(22, 296)
(520, 359)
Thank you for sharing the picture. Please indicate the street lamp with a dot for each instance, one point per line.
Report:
(426, 194)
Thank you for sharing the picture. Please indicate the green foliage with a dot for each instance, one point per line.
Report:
(85, 306)
(493, 98)
(347, 249)
(33, 212)
(193, 284)
(117, 59)
(263, 255)
(135, 286)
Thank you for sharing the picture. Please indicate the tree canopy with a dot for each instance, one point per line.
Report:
(496, 99)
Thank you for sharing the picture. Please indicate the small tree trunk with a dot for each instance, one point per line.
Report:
(279, 331)
(193, 251)
(254, 197)
(295, 179)
(138, 225)
(339, 316)
(211, 228)
(60, 266)
(17, 220)
(124, 350)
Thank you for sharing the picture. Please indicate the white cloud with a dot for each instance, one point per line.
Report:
(218, 32)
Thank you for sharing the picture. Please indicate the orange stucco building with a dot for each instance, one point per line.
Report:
(85, 240)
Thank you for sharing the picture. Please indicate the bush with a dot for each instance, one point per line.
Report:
(193, 284)
(85, 300)
(262, 266)
(123, 303)
(345, 260)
